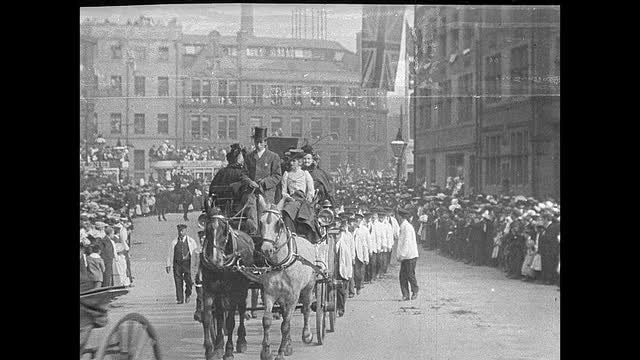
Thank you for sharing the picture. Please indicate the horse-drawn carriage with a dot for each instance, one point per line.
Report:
(132, 337)
(276, 256)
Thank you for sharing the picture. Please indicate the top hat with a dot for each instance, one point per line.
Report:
(259, 133)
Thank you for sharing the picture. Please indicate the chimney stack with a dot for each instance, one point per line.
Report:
(246, 19)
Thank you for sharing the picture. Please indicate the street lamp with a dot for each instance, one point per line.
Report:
(398, 146)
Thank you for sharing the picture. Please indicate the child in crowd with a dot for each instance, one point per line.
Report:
(95, 266)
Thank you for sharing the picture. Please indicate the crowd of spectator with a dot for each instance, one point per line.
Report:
(96, 153)
(519, 235)
(168, 151)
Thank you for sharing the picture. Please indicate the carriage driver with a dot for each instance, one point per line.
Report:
(265, 173)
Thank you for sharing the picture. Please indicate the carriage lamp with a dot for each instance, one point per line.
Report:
(325, 217)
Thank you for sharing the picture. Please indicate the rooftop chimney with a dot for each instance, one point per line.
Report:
(246, 19)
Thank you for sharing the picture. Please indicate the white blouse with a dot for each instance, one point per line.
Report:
(299, 180)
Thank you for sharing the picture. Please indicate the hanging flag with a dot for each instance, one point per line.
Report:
(380, 45)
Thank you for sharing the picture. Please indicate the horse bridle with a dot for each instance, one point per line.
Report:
(229, 259)
(277, 247)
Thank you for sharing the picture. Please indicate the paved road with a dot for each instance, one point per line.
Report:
(463, 312)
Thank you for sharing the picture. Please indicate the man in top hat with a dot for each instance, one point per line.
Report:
(183, 257)
(265, 172)
(407, 255)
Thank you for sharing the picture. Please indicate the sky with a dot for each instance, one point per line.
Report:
(273, 20)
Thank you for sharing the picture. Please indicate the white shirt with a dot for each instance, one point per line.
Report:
(407, 246)
(194, 250)
(343, 249)
(379, 233)
(396, 228)
(261, 152)
(389, 236)
(361, 243)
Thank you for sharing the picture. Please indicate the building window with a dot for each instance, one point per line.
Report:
(116, 85)
(432, 171)
(233, 127)
(316, 128)
(140, 53)
(351, 129)
(255, 121)
(116, 51)
(493, 78)
(467, 37)
(492, 155)
(138, 124)
(231, 51)
(519, 158)
(424, 108)
(139, 86)
(334, 125)
(442, 45)
(163, 86)
(465, 100)
(353, 97)
(334, 99)
(227, 92)
(257, 93)
(296, 127)
(116, 123)
(190, 49)
(276, 126)
(163, 124)
(206, 91)
(276, 94)
(444, 111)
(222, 127)
(163, 53)
(296, 95)
(519, 69)
(195, 127)
(195, 89)
(233, 93)
(316, 96)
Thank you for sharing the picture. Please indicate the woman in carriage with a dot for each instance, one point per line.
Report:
(298, 192)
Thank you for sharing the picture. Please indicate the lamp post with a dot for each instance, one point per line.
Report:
(398, 146)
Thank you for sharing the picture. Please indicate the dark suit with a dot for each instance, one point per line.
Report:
(549, 249)
(107, 255)
(266, 171)
(236, 174)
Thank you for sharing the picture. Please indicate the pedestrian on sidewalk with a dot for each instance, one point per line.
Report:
(182, 254)
(344, 263)
(95, 266)
(361, 247)
(407, 256)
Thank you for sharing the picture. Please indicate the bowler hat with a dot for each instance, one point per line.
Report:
(181, 226)
(403, 212)
(259, 133)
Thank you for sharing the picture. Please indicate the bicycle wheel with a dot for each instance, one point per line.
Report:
(132, 338)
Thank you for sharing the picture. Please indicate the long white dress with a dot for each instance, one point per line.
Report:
(120, 265)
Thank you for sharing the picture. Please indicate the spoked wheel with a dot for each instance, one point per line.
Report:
(131, 338)
(321, 290)
(332, 301)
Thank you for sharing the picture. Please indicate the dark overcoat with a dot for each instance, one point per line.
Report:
(265, 171)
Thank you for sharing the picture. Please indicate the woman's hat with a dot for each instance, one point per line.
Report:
(259, 134)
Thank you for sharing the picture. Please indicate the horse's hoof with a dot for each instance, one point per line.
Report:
(241, 347)
(266, 355)
(288, 350)
(217, 353)
(308, 339)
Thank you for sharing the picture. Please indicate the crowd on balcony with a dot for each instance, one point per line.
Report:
(168, 151)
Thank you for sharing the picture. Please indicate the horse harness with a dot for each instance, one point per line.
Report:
(290, 259)
(230, 259)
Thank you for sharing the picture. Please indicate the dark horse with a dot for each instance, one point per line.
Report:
(223, 290)
(184, 196)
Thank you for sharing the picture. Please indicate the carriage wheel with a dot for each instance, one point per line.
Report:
(332, 301)
(131, 338)
(320, 313)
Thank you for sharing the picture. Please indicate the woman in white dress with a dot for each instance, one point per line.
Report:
(120, 263)
(297, 194)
